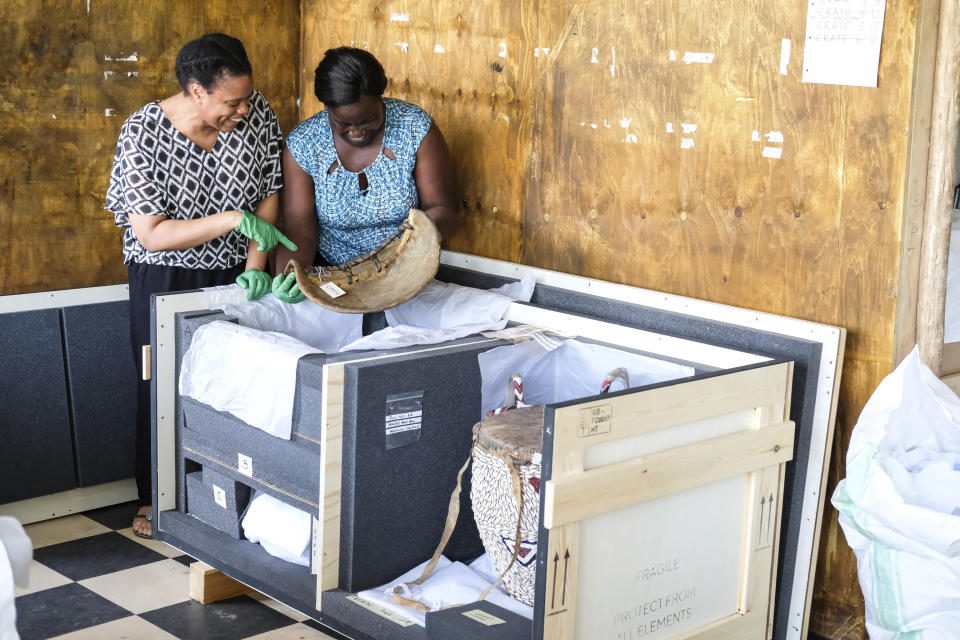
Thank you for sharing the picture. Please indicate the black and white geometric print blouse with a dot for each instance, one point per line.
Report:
(159, 171)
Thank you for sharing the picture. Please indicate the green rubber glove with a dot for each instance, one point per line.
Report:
(256, 282)
(285, 288)
(262, 232)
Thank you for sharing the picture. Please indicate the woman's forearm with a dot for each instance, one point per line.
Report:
(159, 233)
(268, 210)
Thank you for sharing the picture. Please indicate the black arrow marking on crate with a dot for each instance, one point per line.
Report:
(770, 515)
(556, 559)
(566, 560)
(763, 503)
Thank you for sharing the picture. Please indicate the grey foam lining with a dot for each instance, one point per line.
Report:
(201, 500)
(289, 464)
(394, 501)
(243, 560)
(278, 470)
(201, 504)
(358, 623)
(453, 624)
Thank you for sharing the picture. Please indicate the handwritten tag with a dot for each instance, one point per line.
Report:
(383, 612)
(332, 290)
(483, 617)
(220, 496)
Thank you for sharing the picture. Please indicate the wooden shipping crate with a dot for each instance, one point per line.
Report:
(662, 507)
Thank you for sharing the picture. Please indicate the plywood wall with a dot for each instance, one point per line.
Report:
(636, 142)
(72, 72)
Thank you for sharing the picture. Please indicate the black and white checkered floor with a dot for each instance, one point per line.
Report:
(92, 579)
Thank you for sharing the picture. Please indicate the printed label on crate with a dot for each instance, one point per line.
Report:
(245, 465)
(316, 552)
(403, 418)
(383, 612)
(332, 290)
(220, 496)
(484, 617)
(595, 420)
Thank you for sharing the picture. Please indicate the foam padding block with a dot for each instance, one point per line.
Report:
(242, 560)
(395, 493)
(287, 469)
(36, 454)
(103, 390)
(217, 500)
(477, 621)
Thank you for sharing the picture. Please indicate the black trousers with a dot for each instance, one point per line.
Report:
(146, 280)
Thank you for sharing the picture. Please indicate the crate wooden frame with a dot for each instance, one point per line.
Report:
(573, 494)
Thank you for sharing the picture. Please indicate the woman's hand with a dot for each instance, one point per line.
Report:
(263, 233)
(286, 289)
(256, 282)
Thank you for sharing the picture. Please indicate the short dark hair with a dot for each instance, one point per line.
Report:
(347, 74)
(209, 58)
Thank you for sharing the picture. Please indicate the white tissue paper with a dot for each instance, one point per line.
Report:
(317, 326)
(451, 583)
(443, 312)
(951, 312)
(573, 370)
(282, 530)
(248, 373)
(8, 613)
(16, 552)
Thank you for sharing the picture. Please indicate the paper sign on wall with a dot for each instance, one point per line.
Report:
(842, 44)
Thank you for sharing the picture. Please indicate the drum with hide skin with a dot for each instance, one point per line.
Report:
(506, 464)
(505, 486)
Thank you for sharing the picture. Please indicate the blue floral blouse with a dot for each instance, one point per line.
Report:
(351, 221)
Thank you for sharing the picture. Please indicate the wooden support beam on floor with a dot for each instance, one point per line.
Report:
(209, 585)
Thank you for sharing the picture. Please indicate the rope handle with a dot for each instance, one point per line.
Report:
(453, 512)
(617, 374)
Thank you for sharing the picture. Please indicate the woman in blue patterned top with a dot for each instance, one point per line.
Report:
(353, 171)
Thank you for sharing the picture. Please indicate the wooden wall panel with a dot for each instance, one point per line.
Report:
(567, 123)
(73, 71)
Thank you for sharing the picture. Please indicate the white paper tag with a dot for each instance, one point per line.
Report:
(245, 465)
(332, 290)
(381, 611)
(220, 496)
(483, 617)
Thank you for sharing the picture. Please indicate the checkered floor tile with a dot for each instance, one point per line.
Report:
(92, 579)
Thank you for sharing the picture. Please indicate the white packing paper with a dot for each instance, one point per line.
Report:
(8, 613)
(951, 314)
(16, 552)
(248, 373)
(443, 312)
(451, 583)
(317, 326)
(282, 530)
(573, 370)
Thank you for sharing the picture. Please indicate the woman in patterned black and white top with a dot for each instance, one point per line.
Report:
(187, 174)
